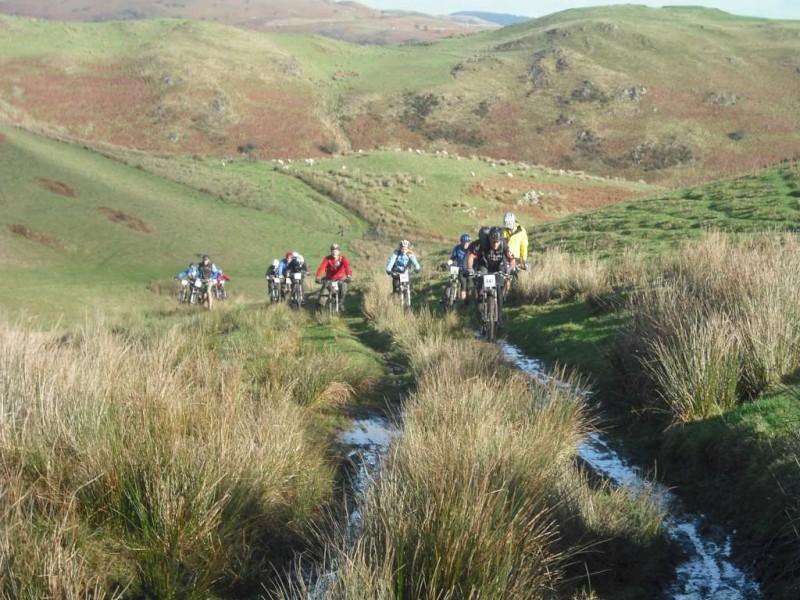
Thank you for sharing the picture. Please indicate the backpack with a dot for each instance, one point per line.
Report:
(483, 236)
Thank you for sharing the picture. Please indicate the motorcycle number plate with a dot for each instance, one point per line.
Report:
(403, 277)
(198, 283)
(454, 270)
(297, 276)
(489, 281)
(334, 285)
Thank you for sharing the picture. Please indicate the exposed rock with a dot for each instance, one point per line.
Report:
(587, 143)
(634, 93)
(588, 91)
(737, 135)
(564, 120)
(721, 98)
(539, 74)
(662, 155)
(530, 198)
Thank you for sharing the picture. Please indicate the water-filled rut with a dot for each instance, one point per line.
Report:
(707, 570)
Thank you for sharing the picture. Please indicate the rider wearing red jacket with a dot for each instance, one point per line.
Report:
(335, 267)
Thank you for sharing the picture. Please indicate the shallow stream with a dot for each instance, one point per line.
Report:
(707, 571)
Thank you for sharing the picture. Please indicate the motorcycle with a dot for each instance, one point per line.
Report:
(332, 290)
(489, 302)
(218, 287)
(274, 288)
(452, 289)
(296, 292)
(403, 288)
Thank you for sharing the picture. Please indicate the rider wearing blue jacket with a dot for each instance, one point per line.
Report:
(191, 272)
(457, 257)
(459, 252)
(399, 262)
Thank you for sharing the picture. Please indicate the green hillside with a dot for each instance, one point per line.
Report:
(760, 202)
(79, 230)
(673, 95)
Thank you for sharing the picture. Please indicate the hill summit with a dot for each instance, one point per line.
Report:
(670, 96)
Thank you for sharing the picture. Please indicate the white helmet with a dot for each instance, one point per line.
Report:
(299, 258)
(275, 263)
(509, 220)
(405, 244)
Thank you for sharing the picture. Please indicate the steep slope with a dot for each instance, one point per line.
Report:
(671, 96)
(349, 21)
(78, 230)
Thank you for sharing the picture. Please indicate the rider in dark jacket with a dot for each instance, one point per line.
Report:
(490, 258)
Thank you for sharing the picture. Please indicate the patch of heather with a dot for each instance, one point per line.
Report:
(24, 231)
(371, 131)
(279, 122)
(555, 200)
(118, 216)
(104, 104)
(504, 137)
(57, 187)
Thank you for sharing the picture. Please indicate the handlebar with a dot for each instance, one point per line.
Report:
(471, 273)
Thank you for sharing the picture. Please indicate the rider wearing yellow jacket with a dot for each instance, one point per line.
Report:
(517, 238)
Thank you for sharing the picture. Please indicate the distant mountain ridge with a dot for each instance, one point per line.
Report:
(501, 19)
(350, 21)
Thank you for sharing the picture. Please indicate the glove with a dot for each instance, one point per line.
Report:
(389, 273)
(317, 280)
(346, 280)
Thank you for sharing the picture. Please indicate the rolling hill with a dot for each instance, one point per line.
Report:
(671, 96)
(350, 21)
(81, 230)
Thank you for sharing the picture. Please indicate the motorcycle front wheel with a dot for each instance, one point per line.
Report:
(491, 318)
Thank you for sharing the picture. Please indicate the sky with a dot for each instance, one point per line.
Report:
(770, 9)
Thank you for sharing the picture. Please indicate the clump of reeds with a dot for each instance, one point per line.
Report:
(718, 324)
(171, 461)
(558, 275)
(472, 499)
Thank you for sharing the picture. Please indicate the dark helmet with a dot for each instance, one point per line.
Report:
(465, 239)
(206, 257)
(495, 234)
(336, 246)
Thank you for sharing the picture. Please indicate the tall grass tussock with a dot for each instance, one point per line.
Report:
(478, 498)
(718, 324)
(161, 462)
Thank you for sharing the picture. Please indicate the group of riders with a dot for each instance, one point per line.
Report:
(200, 282)
(497, 251)
(334, 269)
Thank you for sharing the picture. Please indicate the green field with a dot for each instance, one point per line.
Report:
(92, 234)
(81, 231)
